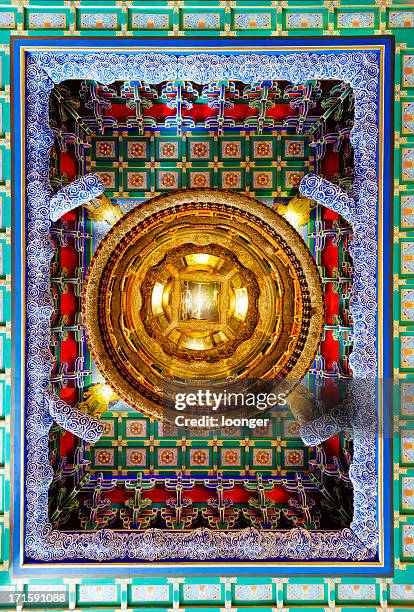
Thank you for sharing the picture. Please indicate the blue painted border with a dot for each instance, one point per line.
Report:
(388, 224)
(242, 568)
(17, 406)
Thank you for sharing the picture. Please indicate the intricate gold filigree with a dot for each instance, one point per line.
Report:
(186, 335)
(102, 209)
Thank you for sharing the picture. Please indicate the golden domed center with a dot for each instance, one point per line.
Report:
(199, 302)
(201, 285)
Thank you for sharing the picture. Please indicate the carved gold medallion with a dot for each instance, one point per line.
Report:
(202, 285)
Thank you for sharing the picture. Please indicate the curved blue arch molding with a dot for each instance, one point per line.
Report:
(333, 197)
(360, 69)
(326, 193)
(77, 422)
(359, 412)
(78, 192)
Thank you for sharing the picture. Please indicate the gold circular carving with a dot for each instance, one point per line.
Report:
(197, 305)
(203, 285)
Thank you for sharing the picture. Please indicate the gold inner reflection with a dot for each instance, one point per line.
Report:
(199, 300)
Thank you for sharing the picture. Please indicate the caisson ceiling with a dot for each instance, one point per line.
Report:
(147, 140)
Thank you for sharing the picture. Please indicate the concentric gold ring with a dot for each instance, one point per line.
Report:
(201, 285)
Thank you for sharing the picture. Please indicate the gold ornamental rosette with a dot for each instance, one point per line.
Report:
(205, 285)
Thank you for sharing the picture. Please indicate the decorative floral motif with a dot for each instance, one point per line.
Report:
(356, 20)
(202, 592)
(137, 180)
(401, 592)
(136, 456)
(200, 179)
(104, 457)
(407, 545)
(167, 430)
(150, 593)
(168, 150)
(407, 399)
(407, 351)
(150, 21)
(401, 19)
(407, 446)
(262, 180)
(99, 21)
(408, 117)
(408, 164)
(293, 457)
(262, 457)
(199, 457)
(255, 21)
(92, 593)
(292, 178)
(168, 180)
(407, 211)
(265, 431)
(199, 150)
(231, 179)
(137, 150)
(230, 150)
(105, 148)
(407, 491)
(7, 20)
(167, 457)
(360, 70)
(232, 431)
(136, 429)
(79, 192)
(304, 20)
(294, 148)
(408, 70)
(253, 592)
(291, 429)
(356, 592)
(407, 257)
(407, 304)
(201, 21)
(298, 592)
(230, 457)
(38, 21)
(107, 179)
(108, 429)
(263, 149)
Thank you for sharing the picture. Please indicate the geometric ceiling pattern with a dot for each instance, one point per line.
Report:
(129, 177)
(144, 141)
